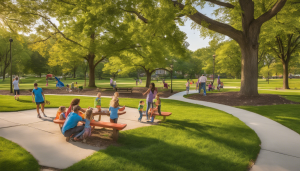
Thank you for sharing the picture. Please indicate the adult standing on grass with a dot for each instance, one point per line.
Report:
(151, 93)
(202, 84)
(39, 98)
(16, 88)
(70, 126)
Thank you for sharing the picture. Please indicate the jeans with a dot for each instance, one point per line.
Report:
(148, 107)
(74, 131)
(79, 134)
(202, 86)
(141, 115)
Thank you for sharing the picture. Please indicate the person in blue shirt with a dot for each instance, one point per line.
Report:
(39, 98)
(70, 128)
(114, 108)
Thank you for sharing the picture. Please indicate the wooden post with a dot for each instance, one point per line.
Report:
(115, 134)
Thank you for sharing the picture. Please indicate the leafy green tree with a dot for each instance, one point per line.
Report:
(242, 21)
(228, 59)
(282, 36)
(267, 70)
(14, 15)
(37, 64)
(20, 53)
(191, 65)
(93, 30)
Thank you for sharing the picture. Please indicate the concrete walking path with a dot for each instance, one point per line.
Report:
(43, 139)
(280, 146)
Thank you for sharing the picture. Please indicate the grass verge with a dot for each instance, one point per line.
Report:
(14, 157)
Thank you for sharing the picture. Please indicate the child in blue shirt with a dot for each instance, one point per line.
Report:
(114, 108)
(39, 98)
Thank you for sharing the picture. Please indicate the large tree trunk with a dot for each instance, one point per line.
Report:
(249, 69)
(92, 71)
(286, 75)
(4, 70)
(148, 80)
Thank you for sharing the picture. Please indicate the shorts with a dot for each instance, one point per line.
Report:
(114, 120)
(187, 88)
(38, 103)
(17, 91)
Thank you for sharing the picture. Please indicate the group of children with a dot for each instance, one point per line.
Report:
(156, 106)
(62, 114)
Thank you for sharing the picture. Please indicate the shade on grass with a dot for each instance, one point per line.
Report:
(13, 157)
(193, 138)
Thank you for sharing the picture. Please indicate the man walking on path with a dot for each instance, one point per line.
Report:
(202, 84)
(39, 98)
(16, 88)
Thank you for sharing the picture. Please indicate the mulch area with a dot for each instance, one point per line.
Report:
(100, 138)
(234, 99)
(136, 93)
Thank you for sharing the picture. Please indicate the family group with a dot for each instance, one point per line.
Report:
(76, 114)
(153, 104)
(201, 83)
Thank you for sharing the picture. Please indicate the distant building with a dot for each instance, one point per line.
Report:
(160, 72)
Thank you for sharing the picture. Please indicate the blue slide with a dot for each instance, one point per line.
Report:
(59, 83)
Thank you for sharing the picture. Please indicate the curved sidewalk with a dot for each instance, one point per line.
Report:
(280, 146)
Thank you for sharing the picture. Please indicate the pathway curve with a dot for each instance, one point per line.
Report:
(43, 139)
(280, 146)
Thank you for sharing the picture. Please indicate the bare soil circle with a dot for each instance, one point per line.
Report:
(234, 99)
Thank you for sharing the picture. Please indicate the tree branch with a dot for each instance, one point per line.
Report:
(271, 13)
(99, 61)
(43, 39)
(137, 14)
(224, 4)
(213, 25)
(47, 19)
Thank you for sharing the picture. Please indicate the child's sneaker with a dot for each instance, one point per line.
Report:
(44, 115)
(39, 116)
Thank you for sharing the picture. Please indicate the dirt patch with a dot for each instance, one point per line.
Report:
(100, 138)
(234, 99)
(136, 93)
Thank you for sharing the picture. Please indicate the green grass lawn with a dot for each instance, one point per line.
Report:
(285, 114)
(14, 158)
(193, 138)
(178, 84)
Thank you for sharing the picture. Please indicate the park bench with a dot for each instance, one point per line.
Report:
(124, 89)
(163, 114)
(115, 126)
